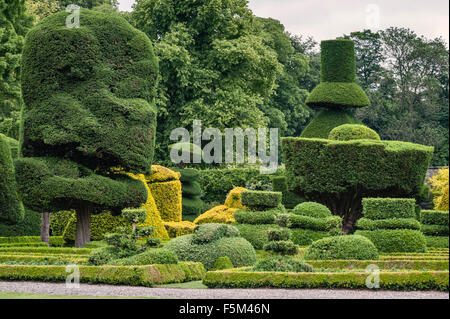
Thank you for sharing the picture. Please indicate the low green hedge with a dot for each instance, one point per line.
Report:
(342, 247)
(255, 217)
(55, 241)
(305, 237)
(435, 217)
(24, 245)
(395, 241)
(47, 250)
(408, 280)
(256, 234)
(437, 241)
(282, 264)
(321, 224)
(385, 208)
(410, 264)
(159, 256)
(116, 275)
(434, 230)
(261, 199)
(42, 258)
(391, 223)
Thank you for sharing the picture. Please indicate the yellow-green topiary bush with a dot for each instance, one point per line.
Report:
(176, 229)
(153, 215)
(220, 214)
(165, 186)
(439, 188)
(233, 199)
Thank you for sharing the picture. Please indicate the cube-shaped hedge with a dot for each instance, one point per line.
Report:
(384, 208)
(261, 200)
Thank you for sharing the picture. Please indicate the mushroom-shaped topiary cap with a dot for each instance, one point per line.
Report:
(338, 87)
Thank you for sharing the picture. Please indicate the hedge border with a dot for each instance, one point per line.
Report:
(383, 264)
(410, 280)
(116, 275)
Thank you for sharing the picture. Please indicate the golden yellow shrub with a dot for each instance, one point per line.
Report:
(443, 200)
(439, 183)
(219, 214)
(176, 229)
(168, 199)
(153, 215)
(233, 199)
(162, 174)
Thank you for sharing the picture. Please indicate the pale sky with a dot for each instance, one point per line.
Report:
(328, 19)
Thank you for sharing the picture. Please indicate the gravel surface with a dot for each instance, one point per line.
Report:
(177, 293)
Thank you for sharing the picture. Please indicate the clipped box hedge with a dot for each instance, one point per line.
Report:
(396, 240)
(255, 217)
(410, 264)
(42, 258)
(386, 208)
(435, 217)
(261, 199)
(437, 241)
(434, 230)
(305, 237)
(408, 280)
(115, 275)
(390, 223)
(321, 224)
(46, 250)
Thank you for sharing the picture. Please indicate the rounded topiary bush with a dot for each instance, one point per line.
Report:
(257, 235)
(348, 132)
(396, 240)
(312, 209)
(342, 247)
(282, 264)
(212, 241)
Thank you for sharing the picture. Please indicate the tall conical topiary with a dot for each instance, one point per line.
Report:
(338, 90)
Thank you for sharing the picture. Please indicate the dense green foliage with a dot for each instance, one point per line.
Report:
(312, 209)
(325, 121)
(435, 217)
(29, 226)
(398, 240)
(211, 242)
(348, 132)
(305, 237)
(14, 24)
(289, 199)
(11, 207)
(342, 247)
(341, 173)
(282, 264)
(153, 256)
(223, 263)
(261, 200)
(256, 217)
(315, 223)
(385, 208)
(281, 247)
(257, 235)
(59, 93)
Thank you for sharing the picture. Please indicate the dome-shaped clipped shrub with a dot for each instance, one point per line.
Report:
(219, 214)
(312, 209)
(212, 241)
(342, 247)
(348, 132)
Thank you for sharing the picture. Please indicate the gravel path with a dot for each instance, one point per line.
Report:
(176, 293)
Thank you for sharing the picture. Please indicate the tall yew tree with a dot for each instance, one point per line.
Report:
(14, 23)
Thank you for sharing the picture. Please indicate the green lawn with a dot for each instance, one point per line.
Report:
(185, 285)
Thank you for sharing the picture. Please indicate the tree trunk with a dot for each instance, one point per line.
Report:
(45, 228)
(83, 232)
